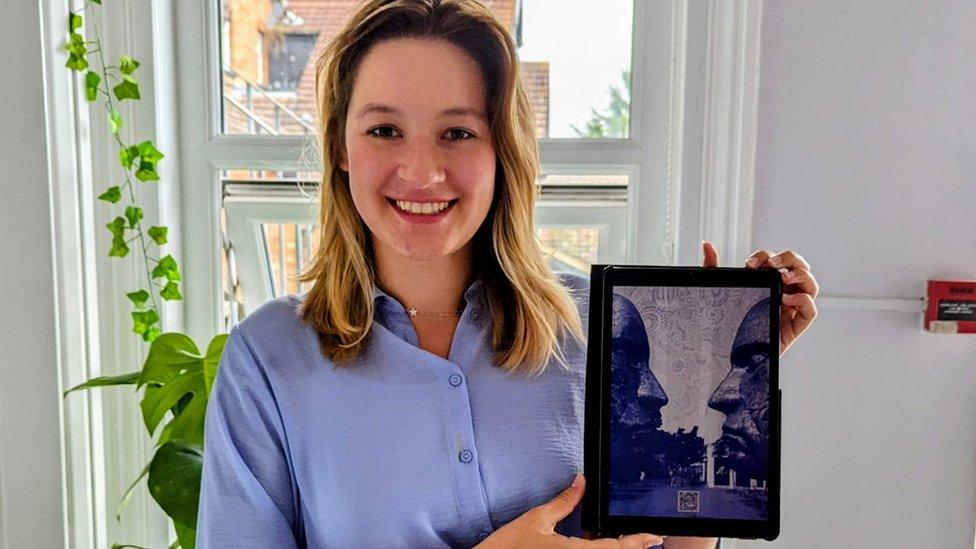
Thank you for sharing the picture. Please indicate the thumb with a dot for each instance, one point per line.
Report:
(710, 254)
(564, 503)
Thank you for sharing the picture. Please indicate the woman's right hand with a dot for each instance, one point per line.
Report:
(536, 527)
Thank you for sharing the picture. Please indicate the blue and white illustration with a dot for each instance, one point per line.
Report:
(690, 402)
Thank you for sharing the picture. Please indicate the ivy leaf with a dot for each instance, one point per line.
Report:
(117, 227)
(170, 292)
(149, 156)
(128, 155)
(147, 172)
(127, 89)
(91, 85)
(148, 152)
(158, 234)
(143, 320)
(152, 334)
(114, 121)
(119, 248)
(112, 194)
(76, 45)
(128, 64)
(167, 268)
(134, 215)
(74, 22)
(76, 63)
(139, 298)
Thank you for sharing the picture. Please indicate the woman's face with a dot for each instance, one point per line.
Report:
(420, 158)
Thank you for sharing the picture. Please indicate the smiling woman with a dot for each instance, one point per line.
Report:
(427, 391)
(421, 103)
(420, 141)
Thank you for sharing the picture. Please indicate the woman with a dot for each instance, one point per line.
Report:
(428, 390)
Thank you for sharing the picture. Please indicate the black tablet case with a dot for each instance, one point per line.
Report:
(596, 515)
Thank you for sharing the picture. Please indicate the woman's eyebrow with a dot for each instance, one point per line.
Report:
(386, 109)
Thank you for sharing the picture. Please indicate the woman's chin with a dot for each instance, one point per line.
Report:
(424, 253)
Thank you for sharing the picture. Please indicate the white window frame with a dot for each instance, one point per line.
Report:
(690, 153)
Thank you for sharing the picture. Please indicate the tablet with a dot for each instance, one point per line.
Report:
(682, 407)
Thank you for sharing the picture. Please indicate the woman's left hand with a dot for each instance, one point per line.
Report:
(799, 288)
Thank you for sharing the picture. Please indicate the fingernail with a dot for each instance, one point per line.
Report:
(752, 262)
(578, 480)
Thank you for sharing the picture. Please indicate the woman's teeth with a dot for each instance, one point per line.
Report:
(422, 207)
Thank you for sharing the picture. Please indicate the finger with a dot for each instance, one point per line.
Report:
(563, 504)
(799, 279)
(758, 259)
(710, 254)
(788, 259)
(803, 311)
(632, 541)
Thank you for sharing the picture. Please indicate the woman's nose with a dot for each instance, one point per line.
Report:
(421, 164)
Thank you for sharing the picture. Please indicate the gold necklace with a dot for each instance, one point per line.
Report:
(414, 312)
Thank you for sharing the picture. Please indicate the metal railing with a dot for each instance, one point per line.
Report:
(254, 120)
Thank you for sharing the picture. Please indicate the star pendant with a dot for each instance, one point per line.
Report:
(412, 311)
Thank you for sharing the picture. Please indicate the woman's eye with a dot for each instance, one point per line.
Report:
(458, 134)
(383, 129)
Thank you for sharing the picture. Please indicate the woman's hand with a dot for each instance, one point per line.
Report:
(799, 289)
(536, 527)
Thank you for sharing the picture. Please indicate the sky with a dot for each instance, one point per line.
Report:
(587, 45)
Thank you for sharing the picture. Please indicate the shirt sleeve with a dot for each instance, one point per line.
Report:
(247, 498)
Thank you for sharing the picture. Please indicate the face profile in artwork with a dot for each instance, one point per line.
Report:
(743, 398)
(637, 395)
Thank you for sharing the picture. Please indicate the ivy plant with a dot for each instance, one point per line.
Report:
(176, 377)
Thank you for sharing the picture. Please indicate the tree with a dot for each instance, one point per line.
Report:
(616, 122)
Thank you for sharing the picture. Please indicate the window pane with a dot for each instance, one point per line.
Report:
(575, 62)
(570, 249)
(290, 247)
(580, 49)
(278, 236)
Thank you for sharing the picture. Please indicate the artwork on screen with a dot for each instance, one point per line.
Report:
(689, 425)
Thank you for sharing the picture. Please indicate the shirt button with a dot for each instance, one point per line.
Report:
(465, 456)
(455, 380)
(482, 535)
(475, 316)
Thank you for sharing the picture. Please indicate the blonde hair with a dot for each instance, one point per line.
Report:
(531, 310)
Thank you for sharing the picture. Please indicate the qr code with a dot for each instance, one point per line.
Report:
(688, 501)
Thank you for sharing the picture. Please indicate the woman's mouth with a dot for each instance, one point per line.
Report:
(422, 211)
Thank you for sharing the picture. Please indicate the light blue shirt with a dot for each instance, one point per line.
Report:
(403, 449)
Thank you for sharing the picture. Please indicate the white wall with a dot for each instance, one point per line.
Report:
(30, 450)
(866, 165)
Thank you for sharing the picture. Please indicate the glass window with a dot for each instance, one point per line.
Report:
(270, 218)
(575, 63)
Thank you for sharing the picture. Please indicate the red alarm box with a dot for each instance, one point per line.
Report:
(951, 307)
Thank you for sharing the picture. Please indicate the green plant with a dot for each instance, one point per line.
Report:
(175, 377)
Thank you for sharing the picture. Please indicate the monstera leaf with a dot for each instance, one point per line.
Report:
(178, 378)
(174, 481)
